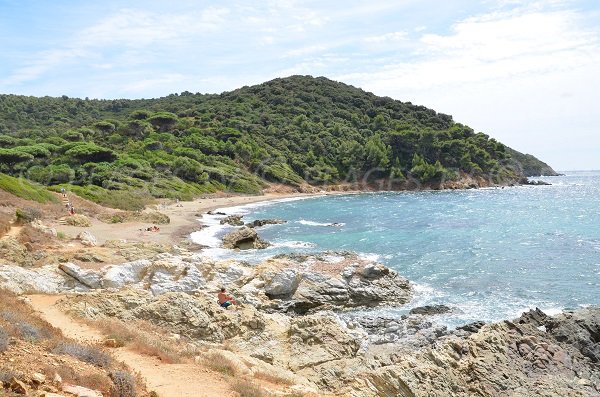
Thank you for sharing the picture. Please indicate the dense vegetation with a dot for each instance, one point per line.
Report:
(292, 131)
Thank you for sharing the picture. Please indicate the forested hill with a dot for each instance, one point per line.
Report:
(293, 131)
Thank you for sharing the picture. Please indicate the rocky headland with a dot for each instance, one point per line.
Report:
(297, 318)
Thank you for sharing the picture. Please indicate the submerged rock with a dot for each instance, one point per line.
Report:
(430, 310)
(264, 222)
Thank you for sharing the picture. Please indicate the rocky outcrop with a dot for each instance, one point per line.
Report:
(233, 220)
(38, 225)
(244, 238)
(46, 279)
(502, 359)
(264, 222)
(301, 283)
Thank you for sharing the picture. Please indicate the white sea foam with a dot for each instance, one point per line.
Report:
(313, 223)
(292, 244)
(208, 235)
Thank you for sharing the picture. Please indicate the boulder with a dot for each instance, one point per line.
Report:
(43, 280)
(244, 238)
(117, 276)
(87, 239)
(81, 391)
(283, 283)
(300, 283)
(37, 224)
(89, 278)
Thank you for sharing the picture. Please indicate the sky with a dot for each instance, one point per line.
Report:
(524, 72)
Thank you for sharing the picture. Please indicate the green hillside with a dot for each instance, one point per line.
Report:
(293, 131)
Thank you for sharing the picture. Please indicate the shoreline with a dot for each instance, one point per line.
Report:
(185, 218)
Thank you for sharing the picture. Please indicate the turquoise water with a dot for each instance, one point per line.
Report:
(488, 253)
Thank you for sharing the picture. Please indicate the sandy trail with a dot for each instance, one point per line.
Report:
(168, 380)
(13, 232)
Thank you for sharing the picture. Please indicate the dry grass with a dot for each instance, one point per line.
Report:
(89, 354)
(246, 388)
(123, 384)
(145, 338)
(219, 363)
(5, 223)
(20, 322)
(278, 379)
(4, 339)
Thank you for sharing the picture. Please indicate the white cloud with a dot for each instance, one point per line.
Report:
(386, 38)
(506, 73)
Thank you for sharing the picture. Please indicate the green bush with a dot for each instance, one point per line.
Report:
(52, 174)
(90, 152)
(27, 215)
(24, 189)
(129, 200)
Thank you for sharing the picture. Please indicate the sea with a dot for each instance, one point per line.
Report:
(489, 254)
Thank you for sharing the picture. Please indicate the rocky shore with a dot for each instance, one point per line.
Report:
(297, 318)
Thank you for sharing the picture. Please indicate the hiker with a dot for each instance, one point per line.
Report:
(225, 300)
(72, 211)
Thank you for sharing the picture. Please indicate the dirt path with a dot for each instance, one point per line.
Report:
(13, 232)
(168, 380)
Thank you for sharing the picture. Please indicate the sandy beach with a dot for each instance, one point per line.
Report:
(184, 218)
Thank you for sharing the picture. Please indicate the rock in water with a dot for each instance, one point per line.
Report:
(430, 310)
(263, 222)
(233, 220)
(244, 238)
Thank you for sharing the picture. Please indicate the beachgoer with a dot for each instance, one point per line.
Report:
(225, 300)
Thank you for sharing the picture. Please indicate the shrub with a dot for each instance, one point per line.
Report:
(163, 121)
(90, 152)
(123, 384)
(30, 332)
(218, 362)
(26, 190)
(6, 374)
(12, 156)
(246, 388)
(88, 354)
(52, 174)
(27, 215)
(78, 220)
(4, 339)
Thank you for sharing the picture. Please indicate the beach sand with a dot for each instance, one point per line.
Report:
(184, 218)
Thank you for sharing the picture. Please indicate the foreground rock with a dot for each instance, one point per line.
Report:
(301, 283)
(503, 359)
(244, 238)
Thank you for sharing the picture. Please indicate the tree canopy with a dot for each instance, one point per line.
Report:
(293, 130)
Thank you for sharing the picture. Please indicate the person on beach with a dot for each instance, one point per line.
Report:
(225, 300)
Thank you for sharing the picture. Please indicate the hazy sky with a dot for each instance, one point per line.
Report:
(524, 72)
